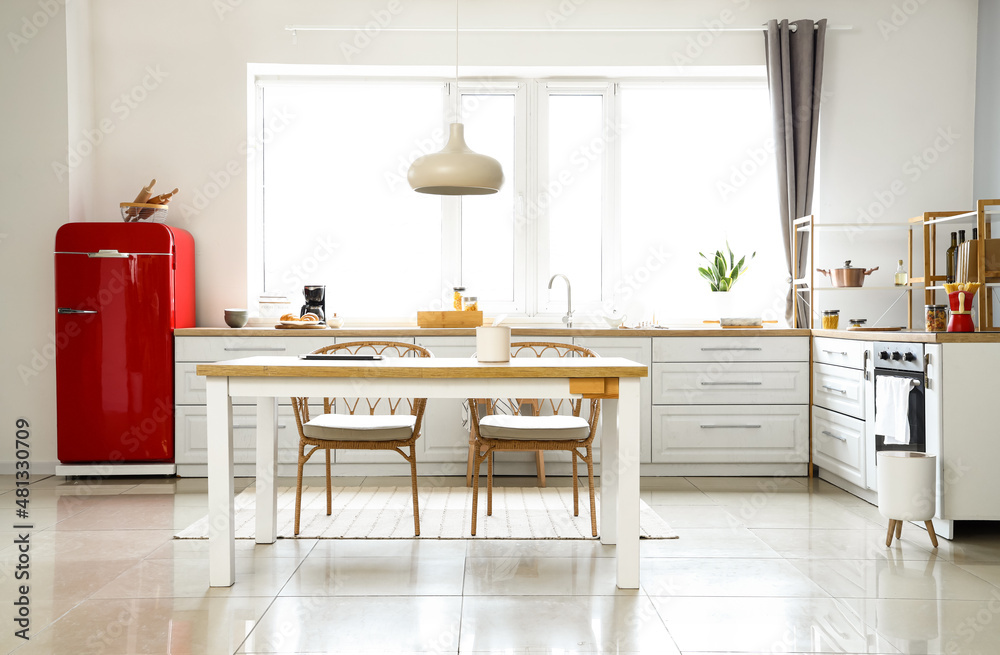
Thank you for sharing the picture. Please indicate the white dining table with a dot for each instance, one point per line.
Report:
(615, 380)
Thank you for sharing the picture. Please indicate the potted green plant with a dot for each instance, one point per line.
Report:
(722, 272)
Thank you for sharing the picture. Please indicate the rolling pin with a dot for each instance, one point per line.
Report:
(145, 192)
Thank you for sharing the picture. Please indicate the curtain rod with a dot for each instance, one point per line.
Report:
(553, 30)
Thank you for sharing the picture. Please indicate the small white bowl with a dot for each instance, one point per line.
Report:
(616, 320)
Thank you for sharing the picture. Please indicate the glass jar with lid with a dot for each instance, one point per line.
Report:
(857, 323)
(470, 303)
(831, 318)
(935, 318)
(456, 300)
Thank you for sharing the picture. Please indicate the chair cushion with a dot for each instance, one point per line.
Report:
(361, 427)
(534, 428)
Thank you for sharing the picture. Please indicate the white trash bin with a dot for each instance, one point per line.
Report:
(906, 490)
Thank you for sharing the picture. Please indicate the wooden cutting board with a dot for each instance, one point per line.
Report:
(451, 319)
(874, 329)
(312, 326)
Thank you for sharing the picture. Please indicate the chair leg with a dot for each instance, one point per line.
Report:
(413, 480)
(470, 464)
(489, 484)
(930, 531)
(477, 461)
(899, 529)
(298, 487)
(590, 483)
(576, 490)
(888, 533)
(540, 467)
(329, 497)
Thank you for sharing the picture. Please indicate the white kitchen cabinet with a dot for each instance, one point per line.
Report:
(721, 383)
(839, 444)
(638, 350)
(732, 434)
(731, 349)
(730, 405)
(842, 400)
(839, 388)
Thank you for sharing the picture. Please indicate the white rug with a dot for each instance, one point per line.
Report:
(445, 513)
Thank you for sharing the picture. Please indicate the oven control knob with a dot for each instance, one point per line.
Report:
(910, 357)
(896, 356)
(884, 354)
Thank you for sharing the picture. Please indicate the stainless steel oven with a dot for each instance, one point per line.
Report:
(900, 360)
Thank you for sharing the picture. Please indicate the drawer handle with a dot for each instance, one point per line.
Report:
(717, 384)
(705, 350)
(251, 426)
(730, 426)
(835, 352)
(844, 391)
(256, 348)
(835, 436)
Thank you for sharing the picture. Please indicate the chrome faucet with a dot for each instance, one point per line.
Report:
(568, 318)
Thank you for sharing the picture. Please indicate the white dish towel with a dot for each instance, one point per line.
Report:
(892, 404)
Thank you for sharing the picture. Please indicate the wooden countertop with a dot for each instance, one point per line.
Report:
(471, 332)
(907, 336)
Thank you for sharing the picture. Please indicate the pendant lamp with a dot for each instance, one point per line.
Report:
(456, 170)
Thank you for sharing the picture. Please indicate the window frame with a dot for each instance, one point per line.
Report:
(531, 91)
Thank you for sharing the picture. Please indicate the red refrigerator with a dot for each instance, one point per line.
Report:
(121, 289)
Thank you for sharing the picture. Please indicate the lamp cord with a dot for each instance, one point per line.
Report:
(456, 60)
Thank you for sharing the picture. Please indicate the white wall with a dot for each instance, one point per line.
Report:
(987, 176)
(33, 133)
(181, 67)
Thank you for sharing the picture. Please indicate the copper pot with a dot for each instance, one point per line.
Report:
(847, 276)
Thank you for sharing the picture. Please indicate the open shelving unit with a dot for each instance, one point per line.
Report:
(933, 282)
(805, 286)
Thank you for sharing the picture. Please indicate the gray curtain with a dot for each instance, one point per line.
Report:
(795, 80)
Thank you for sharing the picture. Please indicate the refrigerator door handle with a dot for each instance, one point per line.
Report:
(68, 310)
(108, 253)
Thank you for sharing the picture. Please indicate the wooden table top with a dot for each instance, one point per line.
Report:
(427, 367)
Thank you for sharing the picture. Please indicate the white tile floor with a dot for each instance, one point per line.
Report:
(761, 566)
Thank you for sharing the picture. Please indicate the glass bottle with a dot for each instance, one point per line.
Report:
(961, 237)
(901, 277)
(950, 258)
(975, 233)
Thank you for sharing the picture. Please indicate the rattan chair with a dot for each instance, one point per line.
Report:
(350, 429)
(506, 427)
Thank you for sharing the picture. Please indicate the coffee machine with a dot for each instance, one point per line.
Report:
(315, 295)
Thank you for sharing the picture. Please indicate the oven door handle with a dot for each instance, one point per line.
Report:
(864, 365)
(927, 365)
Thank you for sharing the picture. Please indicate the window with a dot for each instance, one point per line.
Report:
(617, 186)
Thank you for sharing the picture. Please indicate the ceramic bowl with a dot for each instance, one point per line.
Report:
(615, 320)
(236, 318)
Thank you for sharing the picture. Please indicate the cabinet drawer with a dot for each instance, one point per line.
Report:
(839, 444)
(735, 383)
(215, 349)
(841, 352)
(189, 387)
(731, 434)
(840, 389)
(730, 349)
(192, 435)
